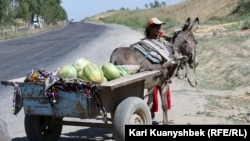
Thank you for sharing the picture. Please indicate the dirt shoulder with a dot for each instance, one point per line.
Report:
(192, 105)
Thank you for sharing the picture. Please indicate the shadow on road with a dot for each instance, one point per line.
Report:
(88, 134)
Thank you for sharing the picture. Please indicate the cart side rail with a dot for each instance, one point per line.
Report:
(116, 83)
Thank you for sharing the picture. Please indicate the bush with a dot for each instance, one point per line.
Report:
(245, 25)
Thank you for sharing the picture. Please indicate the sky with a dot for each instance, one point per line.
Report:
(80, 9)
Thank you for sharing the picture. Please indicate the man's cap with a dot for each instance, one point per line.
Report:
(154, 21)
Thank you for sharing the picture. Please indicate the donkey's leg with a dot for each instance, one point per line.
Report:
(164, 104)
(149, 97)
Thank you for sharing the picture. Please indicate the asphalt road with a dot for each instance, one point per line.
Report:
(44, 50)
(51, 50)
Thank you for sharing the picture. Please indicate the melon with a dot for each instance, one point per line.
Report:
(80, 63)
(123, 71)
(105, 79)
(92, 72)
(67, 71)
(110, 71)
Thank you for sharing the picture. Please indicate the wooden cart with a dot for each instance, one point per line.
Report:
(123, 100)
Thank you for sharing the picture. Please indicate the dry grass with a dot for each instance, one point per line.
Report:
(204, 9)
(12, 34)
(223, 50)
(224, 60)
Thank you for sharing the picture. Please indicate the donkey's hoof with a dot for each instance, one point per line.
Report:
(155, 123)
(170, 122)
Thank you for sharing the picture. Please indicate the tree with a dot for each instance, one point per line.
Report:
(28, 10)
(4, 8)
(52, 11)
(157, 4)
(122, 9)
(151, 5)
(24, 10)
(163, 3)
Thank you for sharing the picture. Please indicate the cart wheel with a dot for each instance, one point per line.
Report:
(39, 128)
(132, 110)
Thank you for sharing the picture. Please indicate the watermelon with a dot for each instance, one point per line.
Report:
(67, 71)
(80, 63)
(92, 72)
(110, 71)
(123, 71)
(105, 79)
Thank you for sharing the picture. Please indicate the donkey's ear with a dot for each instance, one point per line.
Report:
(186, 25)
(194, 25)
(197, 20)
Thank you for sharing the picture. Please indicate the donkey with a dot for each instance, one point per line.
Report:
(183, 43)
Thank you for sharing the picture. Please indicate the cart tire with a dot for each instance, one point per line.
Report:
(132, 110)
(37, 128)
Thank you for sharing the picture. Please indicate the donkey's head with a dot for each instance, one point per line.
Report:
(185, 43)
